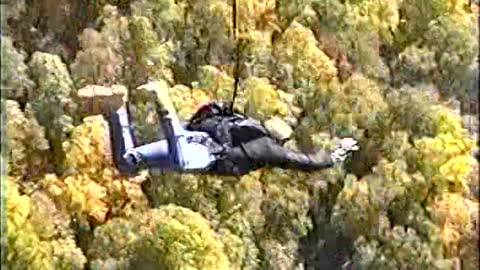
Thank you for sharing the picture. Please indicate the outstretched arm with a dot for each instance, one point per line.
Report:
(268, 151)
(265, 151)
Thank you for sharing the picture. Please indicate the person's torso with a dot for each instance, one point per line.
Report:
(230, 130)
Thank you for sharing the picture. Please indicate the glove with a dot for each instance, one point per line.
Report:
(132, 157)
(347, 145)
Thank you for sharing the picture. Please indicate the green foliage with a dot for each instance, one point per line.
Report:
(52, 76)
(355, 18)
(180, 239)
(100, 61)
(240, 210)
(415, 65)
(448, 162)
(111, 244)
(170, 237)
(345, 109)
(190, 191)
(446, 158)
(144, 119)
(382, 212)
(67, 255)
(419, 122)
(16, 82)
(91, 187)
(360, 102)
(454, 54)
(258, 25)
(262, 99)
(97, 60)
(166, 15)
(383, 16)
(186, 101)
(240, 213)
(31, 238)
(387, 211)
(358, 30)
(418, 15)
(299, 48)
(280, 255)
(11, 10)
(204, 37)
(373, 69)
(152, 57)
(256, 54)
(285, 205)
(27, 146)
(25, 246)
(146, 123)
(52, 101)
(400, 248)
(288, 10)
(52, 26)
(217, 83)
(238, 249)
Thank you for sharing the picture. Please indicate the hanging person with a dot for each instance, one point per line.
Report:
(249, 146)
(215, 141)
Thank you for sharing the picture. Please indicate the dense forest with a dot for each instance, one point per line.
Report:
(400, 76)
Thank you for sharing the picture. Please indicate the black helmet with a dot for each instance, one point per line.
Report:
(211, 109)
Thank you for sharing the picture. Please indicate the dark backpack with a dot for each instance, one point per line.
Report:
(224, 126)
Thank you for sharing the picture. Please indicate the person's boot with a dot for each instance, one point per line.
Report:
(157, 92)
(122, 141)
(111, 102)
(95, 99)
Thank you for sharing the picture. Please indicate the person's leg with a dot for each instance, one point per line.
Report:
(152, 155)
(184, 155)
(164, 154)
(126, 156)
(175, 152)
(158, 92)
(188, 149)
(175, 138)
(122, 139)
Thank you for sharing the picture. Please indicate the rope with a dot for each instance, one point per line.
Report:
(237, 55)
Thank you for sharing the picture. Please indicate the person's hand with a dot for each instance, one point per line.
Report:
(347, 145)
(132, 157)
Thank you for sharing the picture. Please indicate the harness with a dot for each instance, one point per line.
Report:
(227, 128)
(227, 131)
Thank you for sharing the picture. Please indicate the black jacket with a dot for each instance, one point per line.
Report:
(247, 145)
